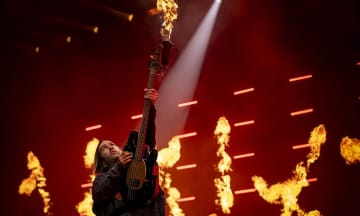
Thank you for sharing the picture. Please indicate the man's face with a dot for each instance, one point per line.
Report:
(109, 151)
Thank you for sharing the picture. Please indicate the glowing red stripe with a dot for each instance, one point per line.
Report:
(136, 116)
(244, 123)
(186, 199)
(189, 166)
(300, 112)
(87, 185)
(186, 135)
(358, 63)
(250, 190)
(244, 155)
(244, 91)
(187, 103)
(300, 78)
(312, 180)
(93, 127)
(300, 146)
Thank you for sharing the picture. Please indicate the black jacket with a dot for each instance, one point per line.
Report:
(108, 181)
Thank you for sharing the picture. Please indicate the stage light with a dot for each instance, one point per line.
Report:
(95, 29)
(93, 127)
(300, 146)
(186, 199)
(300, 78)
(301, 112)
(181, 136)
(139, 116)
(189, 166)
(244, 155)
(187, 103)
(244, 91)
(68, 39)
(250, 190)
(244, 123)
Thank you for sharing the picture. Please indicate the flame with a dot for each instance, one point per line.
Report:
(286, 193)
(167, 158)
(36, 180)
(224, 192)
(84, 207)
(90, 152)
(169, 9)
(350, 150)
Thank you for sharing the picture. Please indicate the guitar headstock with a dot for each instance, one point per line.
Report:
(159, 59)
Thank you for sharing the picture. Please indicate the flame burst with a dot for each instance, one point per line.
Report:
(224, 192)
(36, 180)
(169, 9)
(167, 158)
(84, 207)
(286, 193)
(350, 150)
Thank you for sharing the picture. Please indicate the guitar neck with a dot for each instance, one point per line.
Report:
(145, 119)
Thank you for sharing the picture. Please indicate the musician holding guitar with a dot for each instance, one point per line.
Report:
(126, 182)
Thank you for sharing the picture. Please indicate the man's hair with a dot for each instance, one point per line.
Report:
(98, 159)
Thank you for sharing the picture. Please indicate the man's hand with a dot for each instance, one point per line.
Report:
(151, 94)
(125, 158)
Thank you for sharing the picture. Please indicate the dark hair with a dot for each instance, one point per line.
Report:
(98, 159)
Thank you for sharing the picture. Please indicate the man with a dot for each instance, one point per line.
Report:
(110, 165)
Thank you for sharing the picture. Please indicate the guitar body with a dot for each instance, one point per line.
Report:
(139, 184)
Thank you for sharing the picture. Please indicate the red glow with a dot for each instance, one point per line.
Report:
(93, 127)
(244, 123)
(186, 135)
(189, 166)
(244, 155)
(300, 78)
(300, 112)
(244, 91)
(187, 103)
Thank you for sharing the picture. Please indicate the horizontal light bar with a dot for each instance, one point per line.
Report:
(187, 103)
(244, 123)
(300, 146)
(186, 135)
(86, 185)
(244, 155)
(189, 166)
(358, 63)
(186, 199)
(250, 190)
(311, 180)
(300, 78)
(93, 127)
(136, 116)
(301, 112)
(244, 91)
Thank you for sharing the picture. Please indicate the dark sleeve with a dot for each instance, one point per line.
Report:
(106, 184)
(150, 133)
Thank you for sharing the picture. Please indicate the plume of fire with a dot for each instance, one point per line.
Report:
(224, 192)
(169, 14)
(84, 207)
(36, 180)
(167, 158)
(350, 150)
(286, 193)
